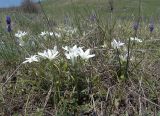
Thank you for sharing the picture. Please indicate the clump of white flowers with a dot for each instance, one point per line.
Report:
(135, 39)
(20, 35)
(70, 52)
(73, 52)
(67, 30)
(46, 54)
(57, 34)
(46, 33)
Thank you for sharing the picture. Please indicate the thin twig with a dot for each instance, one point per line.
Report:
(48, 95)
(12, 74)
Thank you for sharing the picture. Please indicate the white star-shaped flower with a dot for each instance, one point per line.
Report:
(31, 59)
(57, 34)
(85, 54)
(20, 34)
(71, 53)
(116, 44)
(49, 54)
(66, 48)
(44, 33)
(51, 33)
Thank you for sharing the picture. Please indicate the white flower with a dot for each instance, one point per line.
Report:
(74, 49)
(71, 53)
(71, 56)
(136, 39)
(66, 48)
(51, 33)
(116, 44)
(20, 34)
(43, 33)
(57, 34)
(85, 55)
(74, 52)
(31, 59)
(49, 54)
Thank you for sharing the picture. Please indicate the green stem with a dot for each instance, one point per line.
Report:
(128, 59)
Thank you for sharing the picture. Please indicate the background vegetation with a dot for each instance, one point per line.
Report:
(104, 85)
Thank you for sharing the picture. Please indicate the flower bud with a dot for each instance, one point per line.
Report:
(8, 20)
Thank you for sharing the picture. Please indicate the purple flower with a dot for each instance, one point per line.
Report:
(135, 26)
(151, 27)
(93, 17)
(8, 20)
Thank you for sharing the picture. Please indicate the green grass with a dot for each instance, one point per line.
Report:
(122, 7)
